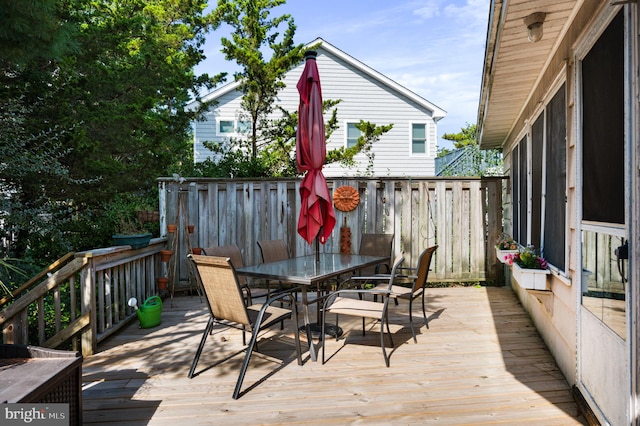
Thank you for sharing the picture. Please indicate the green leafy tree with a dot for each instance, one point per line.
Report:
(253, 32)
(466, 136)
(94, 105)
(31, 40)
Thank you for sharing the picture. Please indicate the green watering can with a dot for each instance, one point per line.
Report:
(149, 313)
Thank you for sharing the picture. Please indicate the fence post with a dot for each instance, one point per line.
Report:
(493, 203)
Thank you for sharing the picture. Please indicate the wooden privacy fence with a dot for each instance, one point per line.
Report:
(463, 216)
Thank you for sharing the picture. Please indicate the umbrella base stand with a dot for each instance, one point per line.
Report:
(329, 330)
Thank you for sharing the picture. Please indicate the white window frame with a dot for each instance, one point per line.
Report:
(236, 126)
(346, 132)
(426, 139)
(219, 122)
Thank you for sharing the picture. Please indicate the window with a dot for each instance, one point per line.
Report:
(603, 127)
(232, 127)
(524, 192)
(225, 127)
(244, 127)
(515, 189)
(555, 197)
(537, 143)
(418, 138)
(352, 135)
(539, 179)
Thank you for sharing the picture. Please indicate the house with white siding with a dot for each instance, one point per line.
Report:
(408, 149)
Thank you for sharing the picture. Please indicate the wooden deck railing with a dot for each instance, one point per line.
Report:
(81, 299)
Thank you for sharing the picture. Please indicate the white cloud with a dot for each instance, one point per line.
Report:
(429, 10)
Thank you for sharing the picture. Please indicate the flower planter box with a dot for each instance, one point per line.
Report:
(502, 254)
(533, 279)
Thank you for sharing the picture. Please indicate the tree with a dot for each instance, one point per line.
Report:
(31, 148)
(466, 136)
(98, 110)
(253, 31)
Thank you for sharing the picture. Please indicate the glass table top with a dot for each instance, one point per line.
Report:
(305, 269)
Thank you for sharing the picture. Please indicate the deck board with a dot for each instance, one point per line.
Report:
(480, 362)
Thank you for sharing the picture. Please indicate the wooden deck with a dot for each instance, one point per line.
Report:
(480, 362)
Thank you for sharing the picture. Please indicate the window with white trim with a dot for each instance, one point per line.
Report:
(232, 127)
(353, 133)
(418, 138)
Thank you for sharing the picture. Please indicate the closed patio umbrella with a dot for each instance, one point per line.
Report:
(317, 217)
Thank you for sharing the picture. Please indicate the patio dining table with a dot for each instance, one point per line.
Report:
(309, 273)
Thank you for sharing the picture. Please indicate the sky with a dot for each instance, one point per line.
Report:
(435, 48)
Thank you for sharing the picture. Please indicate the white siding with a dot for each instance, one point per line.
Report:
(363, 97)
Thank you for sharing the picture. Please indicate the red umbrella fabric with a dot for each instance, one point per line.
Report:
(317, 217)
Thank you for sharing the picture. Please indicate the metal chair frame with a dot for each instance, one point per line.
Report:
(226, 302)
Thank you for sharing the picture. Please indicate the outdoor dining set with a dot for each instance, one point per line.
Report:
(345, 284)
(356, 285)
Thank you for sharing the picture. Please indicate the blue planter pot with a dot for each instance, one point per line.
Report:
(135, 241)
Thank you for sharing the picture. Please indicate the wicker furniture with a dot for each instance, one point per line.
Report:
(30, 374)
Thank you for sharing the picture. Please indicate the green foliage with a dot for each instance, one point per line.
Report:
(93, 105)
(253, 31)
(466, 136)
(32, 33)
(9, 273)
(121, 213)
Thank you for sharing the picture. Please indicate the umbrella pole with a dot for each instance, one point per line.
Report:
(318, 248)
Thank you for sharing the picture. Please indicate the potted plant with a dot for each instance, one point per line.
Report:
(506, 246)
(162, 282)
(165, 255)
(529, 269)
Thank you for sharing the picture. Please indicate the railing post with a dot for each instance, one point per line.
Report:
(88, 304)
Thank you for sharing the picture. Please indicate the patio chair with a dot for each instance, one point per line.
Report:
(338, 304)
(417, 289)
(376, 245)
(371, 245)
(272, 251)
(226, 303)
(233, 252)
